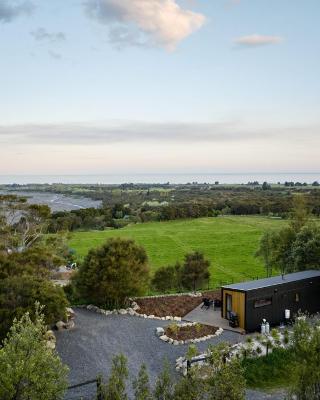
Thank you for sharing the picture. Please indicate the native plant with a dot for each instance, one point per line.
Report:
(29, 369)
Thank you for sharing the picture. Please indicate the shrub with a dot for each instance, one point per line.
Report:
(112, 273)
(18, 295)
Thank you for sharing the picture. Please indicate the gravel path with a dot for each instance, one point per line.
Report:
(88, 348)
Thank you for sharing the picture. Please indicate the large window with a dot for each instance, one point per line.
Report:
(263, 302)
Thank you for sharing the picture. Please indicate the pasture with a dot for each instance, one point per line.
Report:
(229, 243)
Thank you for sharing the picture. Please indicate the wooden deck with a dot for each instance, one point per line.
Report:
(210, 317)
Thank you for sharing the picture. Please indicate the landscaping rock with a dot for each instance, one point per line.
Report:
(70, 324)
(60, 325)
(70, 313)
(122, 311)
(159, 331)
(177, 318)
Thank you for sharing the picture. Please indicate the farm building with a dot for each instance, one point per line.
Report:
(269, 298)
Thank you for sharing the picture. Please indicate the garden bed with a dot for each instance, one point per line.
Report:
(189, 331)
(175, 305)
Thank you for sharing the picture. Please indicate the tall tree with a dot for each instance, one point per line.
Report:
(299, 213)
(22, 223)
(141, 385)
(112, 273)
(306, 350)
(306, 248)
(164, 385)
(29, 369)
(265, 251)
(226, 381)
(195, 270)
(116, 386)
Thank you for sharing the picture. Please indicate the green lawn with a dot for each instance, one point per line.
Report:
(228, 242)
(271, 372)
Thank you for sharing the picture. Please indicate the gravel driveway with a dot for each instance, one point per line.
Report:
(88, 348)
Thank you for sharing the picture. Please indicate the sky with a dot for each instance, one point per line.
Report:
(151, 86)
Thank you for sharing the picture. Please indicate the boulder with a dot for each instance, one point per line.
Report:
(122, 311)
(60, 325)
(159, 331)
(70, 313)
(177, 319)
(51, 345)
(164, 338)
(70, 324)
(175, 342)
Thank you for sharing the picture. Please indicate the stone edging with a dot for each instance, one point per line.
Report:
(132, 311)
(163, 337)
(197, 294)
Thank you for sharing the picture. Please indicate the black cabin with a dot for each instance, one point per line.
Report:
(269, 298)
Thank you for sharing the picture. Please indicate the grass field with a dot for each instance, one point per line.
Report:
(228, 242)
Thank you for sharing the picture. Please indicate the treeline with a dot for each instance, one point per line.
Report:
(119, 215)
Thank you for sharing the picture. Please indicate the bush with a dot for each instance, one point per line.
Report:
(28, 368)
(112, 273)
(167, 278)
(195, 271)
(18, 295)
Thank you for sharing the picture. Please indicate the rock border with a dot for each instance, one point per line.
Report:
(165, 338)
(132, 311)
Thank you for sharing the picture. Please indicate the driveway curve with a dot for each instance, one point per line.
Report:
(88, 349)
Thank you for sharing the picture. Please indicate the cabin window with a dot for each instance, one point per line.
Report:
(297, 297)
(263, 302)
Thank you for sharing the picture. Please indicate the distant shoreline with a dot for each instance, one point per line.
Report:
(173, 178)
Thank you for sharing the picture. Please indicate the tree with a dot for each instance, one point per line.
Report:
(306, 350)
(112, 273)
(167, 278)
(163, 389)
(195, 270)
(29, 369)
(265, 251)
(116, 386)
(22, 224)
(141, 385)
(266, 186)
(18, 295)
(190, 387)
(299, 213)
(306, 248)
(226, 380)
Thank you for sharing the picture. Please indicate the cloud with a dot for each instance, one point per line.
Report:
(145, 22)
(11, 9)
(54, 55)
(143, 132)
(41, 34)
(257, 40)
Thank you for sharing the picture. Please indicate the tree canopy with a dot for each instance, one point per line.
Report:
(112, 273)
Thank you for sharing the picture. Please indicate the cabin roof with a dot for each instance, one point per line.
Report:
(273, 281)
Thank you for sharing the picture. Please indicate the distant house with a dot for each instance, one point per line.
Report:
(269, 298)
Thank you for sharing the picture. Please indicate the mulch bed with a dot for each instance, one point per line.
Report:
(189, 332)
(176, 306)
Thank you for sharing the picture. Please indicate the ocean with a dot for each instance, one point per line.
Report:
(175, 178)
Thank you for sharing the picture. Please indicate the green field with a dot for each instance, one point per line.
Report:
(228, 242)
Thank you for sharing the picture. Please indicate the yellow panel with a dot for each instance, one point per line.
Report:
(238, 305)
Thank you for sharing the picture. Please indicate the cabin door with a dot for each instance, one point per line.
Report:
(228, 305)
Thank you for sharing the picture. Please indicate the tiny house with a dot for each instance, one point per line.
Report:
(269, 298)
